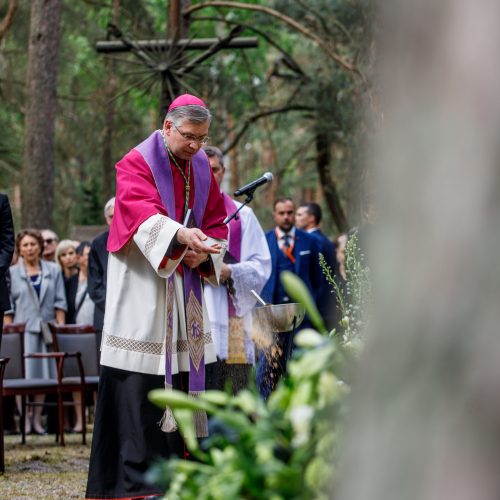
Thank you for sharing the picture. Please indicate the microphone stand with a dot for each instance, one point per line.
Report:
(248, 199)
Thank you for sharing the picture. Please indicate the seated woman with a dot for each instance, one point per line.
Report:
(37, 296)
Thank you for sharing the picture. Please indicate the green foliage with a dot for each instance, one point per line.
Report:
(298, 292)
(355, 294)
(258, 450)
(238, 84)
(285, 448)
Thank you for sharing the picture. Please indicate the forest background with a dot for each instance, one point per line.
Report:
(295, 105)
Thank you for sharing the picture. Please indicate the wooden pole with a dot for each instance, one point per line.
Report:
(176, 29)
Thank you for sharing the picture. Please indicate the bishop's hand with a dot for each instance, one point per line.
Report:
(193, 259)
(194, 238)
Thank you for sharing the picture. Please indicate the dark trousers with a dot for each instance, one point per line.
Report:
(127, 438)
(1, 328)
(228, 376)
(272, 362)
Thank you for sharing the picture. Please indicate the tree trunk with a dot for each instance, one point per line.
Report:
(425, 417)
(177, 27)
(328, 184)
(38, 162)
(107, 163)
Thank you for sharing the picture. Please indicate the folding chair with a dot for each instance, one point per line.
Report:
(16, 384)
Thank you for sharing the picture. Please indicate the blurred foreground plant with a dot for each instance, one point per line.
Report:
(354, 295)
(285, 447)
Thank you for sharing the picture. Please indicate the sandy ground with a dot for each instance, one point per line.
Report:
(41, 469)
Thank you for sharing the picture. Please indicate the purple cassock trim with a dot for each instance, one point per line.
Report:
(154, 153)
(234, 248)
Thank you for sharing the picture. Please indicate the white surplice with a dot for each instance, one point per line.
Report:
(134, 329)
(251, 273)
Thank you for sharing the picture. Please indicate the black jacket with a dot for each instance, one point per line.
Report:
(6, 249)
(97, 279)
(71, 288)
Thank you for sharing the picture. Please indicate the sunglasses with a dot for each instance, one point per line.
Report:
(49, 241)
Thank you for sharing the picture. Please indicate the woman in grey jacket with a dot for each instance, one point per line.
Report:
(37, 295)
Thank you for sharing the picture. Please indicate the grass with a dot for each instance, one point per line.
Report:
(41, 469)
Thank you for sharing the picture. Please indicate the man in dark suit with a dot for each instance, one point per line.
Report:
(6, 251)
(291, 250)
(308, 218)
(98, 265)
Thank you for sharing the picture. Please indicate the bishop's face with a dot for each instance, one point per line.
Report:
(186, 138)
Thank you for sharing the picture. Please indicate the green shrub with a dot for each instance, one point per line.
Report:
(285, 448)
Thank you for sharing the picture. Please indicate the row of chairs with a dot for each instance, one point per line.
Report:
(75, 353)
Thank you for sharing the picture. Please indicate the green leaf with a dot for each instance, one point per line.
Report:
(299, 292)
(247, 402)
(216, 397)
(303, 394)
(308, 338)
(177, 399)
(312, 362)
(235, 419)
(185, 421)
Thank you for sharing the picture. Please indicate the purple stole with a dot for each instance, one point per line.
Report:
(234, 247)
(154, 153)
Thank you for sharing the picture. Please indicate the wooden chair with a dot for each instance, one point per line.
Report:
(16, 384)
(78, 338)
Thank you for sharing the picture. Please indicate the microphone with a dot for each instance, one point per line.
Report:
(252, 186)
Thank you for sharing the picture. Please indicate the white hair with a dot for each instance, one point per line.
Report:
(192, 113)
(110, 204)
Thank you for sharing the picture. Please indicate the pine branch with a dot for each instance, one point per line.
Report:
(287, 58)
(253, 118)
(8, 18)
(341, 61)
